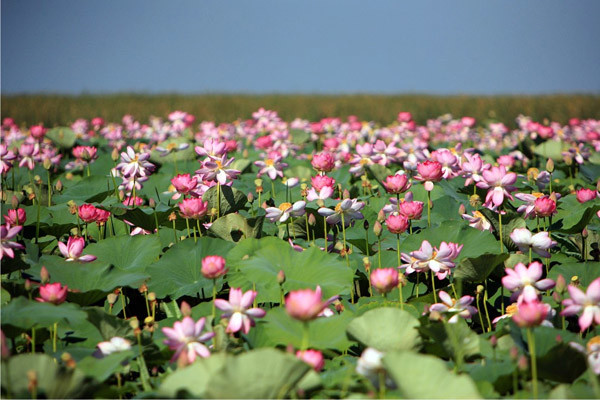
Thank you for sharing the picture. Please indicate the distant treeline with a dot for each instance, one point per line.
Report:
(55, 110)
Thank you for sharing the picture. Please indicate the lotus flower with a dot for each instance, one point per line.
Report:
(186, 336)
(216, 170)
(525, 281)
(7, 233)
(314, 358)
(16, 217)
(134, 164)
(323, 162)
(396, 184)
(285, 211)
(384, 280)
(429, 172)
(584, 195)
(544, 206)
(73, 249)
(428, 258)
(184, 184)
(114, 345)
(591, 351)
(213, 267)
(478, 221)
(237, 309)
(588, 302)
(539, 243)
(53, 293)
(272, 166)
(397, 223)
(87, 213)
(530, 313)
(500, 184)
(460, 308)
(306, 304)
(349, 208)
(194, 208)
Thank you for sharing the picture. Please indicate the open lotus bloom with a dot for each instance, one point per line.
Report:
(456, 308)
(114, 345)
(186, 337)
(525, 281)
(348, 210)
(73, 249)
(285, 211)
(539, 243)
(239, 311)
(591, 351)
(588, 304)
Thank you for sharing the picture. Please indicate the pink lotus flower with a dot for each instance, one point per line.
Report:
(528, 209)
(272, 166)
(525, 281)
(460, 308)
(6, 156)
(213, 267)
(499, 182)
(473, 168)
(186, 336)
(411, 209)
(87, 213)
(102, 216)
(184, 184)
(540, 243)
(404, 116)
(29, 153)
(38, 131)
(73, 249)
(398, 183)
(53, 293)
(16, 217)
(314, 358)
(322, 188)
(216, 170)
(6, 235)
(85, 153)
(306, 304)
(530, 313)
(431, 258)
(588, 302)
(429, 172)
(97, 122)
(349, 208)
(237, 309)
(591, 351)
(397, 223)
(285, 211)
(323, 162)
(585, 194)
(448, 160)
(478, 221)
(384, 280)
(544, 206)
(212, 148)
(193, 208)
(134, 164)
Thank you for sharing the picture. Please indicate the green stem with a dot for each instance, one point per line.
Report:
(346, 255)
(305, 335)
(174, 232)
(398, 248)
(381, 375)
(531, 344)
(198, 227)
(325, 232)
(479, 312)
(417, 285)
(214, 296)
(218, 199)
(379, 251)
(54, 336)
(123, 303)
(487, 314)
(37, 223)
(133, 197)
(500, 223)
(33, 339)
(156, 223)
(88, 170)
(49, 189)
(428, 209)
(400, 296)
(187, 223)
(433, 286)
(273, 189)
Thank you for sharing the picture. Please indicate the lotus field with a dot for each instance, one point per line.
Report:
(265, 258)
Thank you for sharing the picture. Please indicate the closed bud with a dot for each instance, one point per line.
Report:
(250, 198)
(550, 165)
(68, 360)
(556, 296)
(312, 220)
(134, 323)
(377, 228)
(381, 216)
(346, 194)
(58, 186)
(185, 308)
(494, 341)
(151, 296)
(114, 154)
(152, 203)
(44, 275)
(584, 233)
(14, 202)
(47, 163)
(28, 285)
(561, 284)
(367, 263)
(480, 289)
(514, 353)
(72, 207)
(462, 209)
(568, 159)
(143, 288)
(522, 364)
(281, 277)
(245, 153)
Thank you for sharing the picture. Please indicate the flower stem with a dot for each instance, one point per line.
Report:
(379, 251)
(49, 188)
(54, 337)
(218, 199)
(214, 296)
(305, 336)
(33, 339)
(123, 303)
(187, 223)
(479, 312)
(398, 248)
(174, 232)
(273, 189)
(198, 228)
(346, 255)
(500, 224)
(433, 286)
(428, 209)
(400, 296)
(325, 232)
(487, 314)
(381, 374)
(531, 344)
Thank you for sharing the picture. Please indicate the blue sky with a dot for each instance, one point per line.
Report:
(437, 47)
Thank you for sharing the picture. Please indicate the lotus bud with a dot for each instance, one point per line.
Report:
(72, 207)
(47, 163)
(112, 298)
(280, 277)
(58, 186)
(522, 364)
(402, 281)
(561, 284)
(312, 220)
(462, 209)
(381, 216)
(152, 203)
(143, 288)
(556, 296)
(475, 201)
(514, 353)
(14, 202)
(479, 289)
(377, 228)
(185, 308)
(44, 275)
(366, 225)
(584, 233)
(151, 297)
(69, 176)
(134, 323)
(493, 341)
(31, 195)
(115, 154)
(68, 360)
(28, 285)
(346, 194)
(250, 198)
(172, 216)
(550, 165)
(568, 159)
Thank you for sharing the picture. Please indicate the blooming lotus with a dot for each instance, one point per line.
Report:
(591, 351)
(584, 195)
(588, 304)
(473, 167)
(7, 233)
(314, 358)
(6, 156)
(478, 221)
(135, 164)
(87, 213)
(272, 166)
(285, 211)
(458, 308)
(431, 258)
(384, 280)
(53, 293)
(237, 309)
(525, 281)
(212, 148)
(499, 182)
(114, 345)
(396, 223)
(528, 209)
(322, 188)
(184, 184)
(216, 170)
(73, 249)
(530, 313)
(323, 162)
(28, 154)
(544, 206)
(348, 208)
(171, 148)
(186, 337)
(396, 184)
(194, 208)
(429, 172)
(16, 217)
(306, 304)
(540, 243)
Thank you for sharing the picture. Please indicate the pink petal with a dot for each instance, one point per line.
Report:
(577, 295)
(235, 322)
(247, 299)
(223, 305)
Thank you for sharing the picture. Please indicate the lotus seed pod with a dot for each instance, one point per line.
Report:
(149, 320)
(312, 220)
(367, 263)
(532, 174)
(480, 289)
(575, 280)
(134, 323)
(151, 296)
(258, 182)
(475, 201)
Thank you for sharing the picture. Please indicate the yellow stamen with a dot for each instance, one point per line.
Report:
(285, 206)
